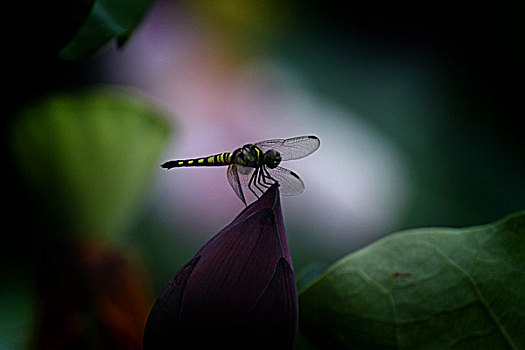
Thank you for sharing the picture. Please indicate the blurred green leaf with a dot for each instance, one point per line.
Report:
(16, 318)
(309, 273)
(89, 154)
(64, 18)
(436, 288)
(108, 20)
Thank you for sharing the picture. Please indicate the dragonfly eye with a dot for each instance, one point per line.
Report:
(272, 158)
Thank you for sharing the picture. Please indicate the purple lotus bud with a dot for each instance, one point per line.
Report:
(238, 291)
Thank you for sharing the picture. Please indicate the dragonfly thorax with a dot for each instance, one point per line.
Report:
(253, 157)
(249, 156)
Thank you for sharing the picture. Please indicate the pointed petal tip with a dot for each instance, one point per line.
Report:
(269, 200)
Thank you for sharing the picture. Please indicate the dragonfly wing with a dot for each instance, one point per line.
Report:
(235, 183)
(238, 177)
(290, 183)
(293, 148)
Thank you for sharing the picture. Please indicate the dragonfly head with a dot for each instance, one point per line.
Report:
(272, 158)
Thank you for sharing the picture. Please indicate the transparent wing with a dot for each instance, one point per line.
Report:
(290, 183)
(293, 148)
(238, 177)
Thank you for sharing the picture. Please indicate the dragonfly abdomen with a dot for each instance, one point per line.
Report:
(215, 160)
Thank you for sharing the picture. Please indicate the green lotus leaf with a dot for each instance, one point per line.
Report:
(89, 154)
(107, 20)
(430, 288)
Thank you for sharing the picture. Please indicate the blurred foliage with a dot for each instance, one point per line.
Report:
(434, 287)
(68, 17)
(86, 157)
(107, 20)
(91, 294)
(16, 316)
(250, 24)
(88, 154)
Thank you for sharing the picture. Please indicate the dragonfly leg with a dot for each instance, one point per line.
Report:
(262, 181)
(253, 182)
(268, 176)
(256, 181)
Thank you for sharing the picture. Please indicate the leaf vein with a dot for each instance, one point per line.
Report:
(481, 298)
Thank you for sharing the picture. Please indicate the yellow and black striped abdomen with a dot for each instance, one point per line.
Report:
(215, 160)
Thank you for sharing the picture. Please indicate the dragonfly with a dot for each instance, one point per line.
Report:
(256, 166)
